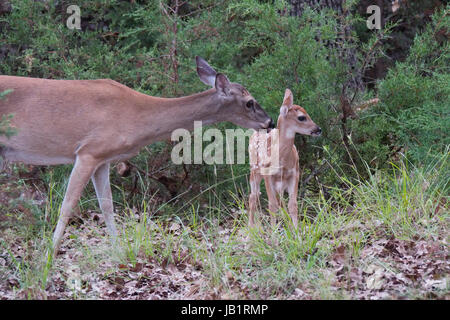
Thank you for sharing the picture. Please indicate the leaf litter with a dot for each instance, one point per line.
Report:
(385, 268)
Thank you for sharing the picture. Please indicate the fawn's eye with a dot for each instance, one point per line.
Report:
(249, 104)
(301, 118)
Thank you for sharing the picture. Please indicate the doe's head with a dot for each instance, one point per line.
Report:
(295, 118)
(236, 104)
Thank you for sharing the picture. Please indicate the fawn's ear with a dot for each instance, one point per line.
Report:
(288, 101)
(206, 73)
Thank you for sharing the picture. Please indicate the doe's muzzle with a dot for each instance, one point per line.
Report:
(271, 124)
(317, 131)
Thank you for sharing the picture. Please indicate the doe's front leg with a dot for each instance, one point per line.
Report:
(80, 175)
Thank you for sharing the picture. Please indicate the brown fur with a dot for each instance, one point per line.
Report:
(93, 122)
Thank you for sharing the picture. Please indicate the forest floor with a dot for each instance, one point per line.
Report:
(334, 255)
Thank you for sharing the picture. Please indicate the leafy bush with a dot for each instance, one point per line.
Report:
(5, 129)
(149, 47)
(415, 95)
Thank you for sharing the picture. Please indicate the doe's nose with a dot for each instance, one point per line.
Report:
(271, 124)
(318, 131)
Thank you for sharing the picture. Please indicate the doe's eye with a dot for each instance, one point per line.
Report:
(249, 104)
(301, 118)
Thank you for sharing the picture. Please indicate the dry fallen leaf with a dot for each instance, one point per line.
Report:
(174, 226)
(436, 284)
(376, 281)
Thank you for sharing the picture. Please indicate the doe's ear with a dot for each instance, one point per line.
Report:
(206, 73)
(222, 83)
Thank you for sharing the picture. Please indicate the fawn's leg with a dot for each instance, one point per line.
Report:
(81, 172)
(102, 186)
(273, 197)
(255, 183)
(293, 204)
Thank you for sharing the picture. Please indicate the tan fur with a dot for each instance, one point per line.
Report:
(93, 122)
(280, 173)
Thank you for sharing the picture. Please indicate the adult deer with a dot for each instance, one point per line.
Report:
(274, 157)
(92, 123)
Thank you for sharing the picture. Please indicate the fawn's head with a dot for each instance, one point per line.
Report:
(236, 104)
(295, 119)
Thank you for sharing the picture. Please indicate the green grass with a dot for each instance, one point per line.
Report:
(265, 262)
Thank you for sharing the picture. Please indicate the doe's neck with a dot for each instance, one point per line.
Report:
(181, 112)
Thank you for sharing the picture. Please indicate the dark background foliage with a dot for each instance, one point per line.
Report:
(322, 51)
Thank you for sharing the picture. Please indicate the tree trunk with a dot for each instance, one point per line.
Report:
(5, 7)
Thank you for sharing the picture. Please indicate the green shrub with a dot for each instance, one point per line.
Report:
(5, 128)
(414, 96)
(258, 45)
